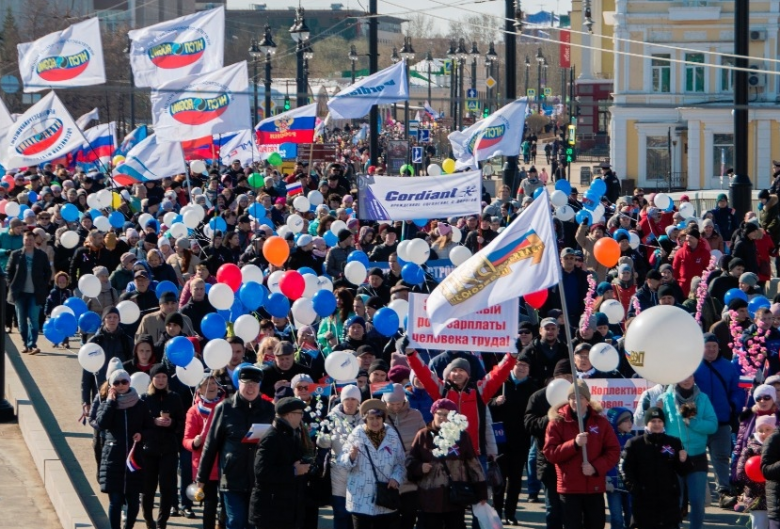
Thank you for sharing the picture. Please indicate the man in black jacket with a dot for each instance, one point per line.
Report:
(28, 280)
(303, 255)
(544, 352)
(198, 306)
(647, 294)
(282, 371)
(233, 418)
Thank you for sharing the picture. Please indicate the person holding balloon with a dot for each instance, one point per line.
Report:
(143, 356)
(753, 498)
(87, 257)
(57, 296)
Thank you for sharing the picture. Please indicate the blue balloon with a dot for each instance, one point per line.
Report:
(277, 305)
(225, 314)
(734, 293)
(412, 274)
(670, 207)
(218, 223)
(563, 185)
(177, 218)
(237, 309)
(349, 211)
(358, 255)
(51, 333)
(584, 215)
(32, 196)
(257, 210)
(116, 219)
(324, 303)
(208, 287)
(420, 222)
(598, 187)
(180, 351)
(253, 295)
(386, 321)
(66, 323)
(237, 371)
(77, 305)
(89, 322)
(757, 303)
(94, 213)
(330, 239)
(166, 286)
(619, 232)
(70, 213)
(306, 270)
(213, 326)
(538, 192)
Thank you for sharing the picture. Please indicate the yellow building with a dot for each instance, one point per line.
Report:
(676, 117)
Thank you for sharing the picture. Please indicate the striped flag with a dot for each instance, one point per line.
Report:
(85, 119)
(132, 463)
(100, 146)
(294, 189)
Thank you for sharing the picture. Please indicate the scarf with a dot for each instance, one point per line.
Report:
(682, 396)
(206, 406)
(127, 400)
(376, 438)
(586, 374)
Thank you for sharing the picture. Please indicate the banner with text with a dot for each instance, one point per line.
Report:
(492, 330)
(617, 392)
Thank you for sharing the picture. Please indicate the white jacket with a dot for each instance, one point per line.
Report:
(334, 436)
(361, 484)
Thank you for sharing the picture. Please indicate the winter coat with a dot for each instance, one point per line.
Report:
(233, 418)
(195, 311)
(164, 440)
(695, 434)
(613, 414)
(536, 421)
(336, 260)
(388, 460)
(420, 400)
(745, 249)
(153, 324)
(106, 298)
(646, 297)
(560, 449)
(769, 220)
(17, 275)
(8, 243)
(406, 423)
(165, 272)
(650, 469)
(85, 259)
(726, 397)
(116, 344)
(217, 256)
(301, 258)
(754, 494)
(689, 263)
(462, 464)
(118, 427)
(279, 496)
(120, 278)
(57, 297)
(770, 468)
(517, 395)
(272, 374)
(334, 433)
(198, 422)
(471, 399)
(543, 364)
(747, 426)
(726, 221)
(587, 244)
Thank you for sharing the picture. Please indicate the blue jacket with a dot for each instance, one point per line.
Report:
(726, 221)
(613, 414)
(420, 400)
(726, 401)
(693, 435)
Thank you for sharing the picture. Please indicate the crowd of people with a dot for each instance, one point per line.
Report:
(381, 451)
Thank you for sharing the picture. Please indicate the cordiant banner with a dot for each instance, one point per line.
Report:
(425, 197)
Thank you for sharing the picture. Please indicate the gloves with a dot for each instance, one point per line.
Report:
(402, 345)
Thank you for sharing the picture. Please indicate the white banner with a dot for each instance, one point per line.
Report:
(71, 57)
(492, 330)
(45, 132)
(6, 121)
(424, 197)
(189, 45)
(240, 147)
(384, 87)
(150, 160)
(89, 117)
(618, 392)
(202, 105)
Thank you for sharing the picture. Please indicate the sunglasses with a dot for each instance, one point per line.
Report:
(302, 387)
(121, 383)
(763, 397)
(523, 332)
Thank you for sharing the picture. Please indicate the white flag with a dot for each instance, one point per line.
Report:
(501, 134)
(150, 160)
(6, 121)
(189, 45)
(72, 57)
(45, 132)
(384, 87)
(523, 259)
(239, 146)
(202, 105)
(85, 120)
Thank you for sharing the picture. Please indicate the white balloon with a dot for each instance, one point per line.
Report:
(128, 312)
(217, 353)
(282, 231)
(252, 272)
(301, 204)
(433, 170)
(633, 240)
(401, 307)
(190, 219)
(168, 218)
(662, 200)
(105, 198)
(687, 210)
(459, 255)
(273, 281)
(69, 239)
(102, 224)
(355, 272)
(221, 296)
(12, 209)
(315, 198)
(93, 201)
(604, 357)
(197, 166)
(402, 250)
(664, 344)
(325, 283)
(614, 311)
(337, 225)
(192, 374)
(91, 357)
(598, 213)
(295, 223)
(457, 235)
(140, 382)
(246, 327)
(312, 285)
(342, 365)
(178, 230)
(564, 213)
(559, 198)
(200, 211)
(89, 285)
(303, 311)
(196, 191)
(143, 219)
(418, 251)
(60, 310)
(208, 232)
(557, 392)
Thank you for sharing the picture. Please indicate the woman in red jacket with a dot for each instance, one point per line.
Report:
(196, 428)
(581, 484)
(690, 260)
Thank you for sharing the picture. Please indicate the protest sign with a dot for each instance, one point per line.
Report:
(618, 392)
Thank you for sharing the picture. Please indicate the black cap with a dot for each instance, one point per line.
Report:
(378, 365)
(174, 318)
(365, 349)
(375, 302)
(157, 369)
(735, 262)
(563, 367)
(288, 405)
(654, 413)
(110, 310)
(665, 290)
(654, 274)
(167, 297)
(141, 273)
(250, 373)
(376, 271)
(737, 303)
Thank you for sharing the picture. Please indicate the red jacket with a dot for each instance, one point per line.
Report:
(197, 425)
(689, 263)
(466, 399)
(765, 248)
(624, 295)
(560, 449)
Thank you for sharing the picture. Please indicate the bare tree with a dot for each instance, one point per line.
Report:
(481, 29)
(421, 26)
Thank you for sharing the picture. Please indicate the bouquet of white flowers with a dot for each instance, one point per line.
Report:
(449, 434)
(335, 429)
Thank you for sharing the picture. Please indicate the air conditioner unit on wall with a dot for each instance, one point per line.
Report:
(757, 34)
(756, 79)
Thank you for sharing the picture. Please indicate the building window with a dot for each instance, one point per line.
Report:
(657, 157)
(727, 76)
(662, 73)
(694, 73)
(722, 153)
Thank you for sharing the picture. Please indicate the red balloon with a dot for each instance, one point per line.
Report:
(753, 470)
(230, 275)
(536, 299)
(292, 284)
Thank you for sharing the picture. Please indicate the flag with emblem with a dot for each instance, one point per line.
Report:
(523, 259)
(150, 160)
(294, 126)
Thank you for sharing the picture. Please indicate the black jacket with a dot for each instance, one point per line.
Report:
(164, 440)
(518, 439)
(279, 496)
(647, 299)
(196, 311)
(217, 257)
(542, 365)
(233, 418)
(300, 258)
(115, 345)
(535, 421)
(17, 275)
(745, 249)
(272, 374)
(85, 259)
(770, 467)
(650, 468)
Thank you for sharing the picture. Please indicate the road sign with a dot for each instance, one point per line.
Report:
(531, 92)
(472, 105)
(471, 93)
(547, 92)
(417, 155)
(490, 82)
(424, 135)
(9, 84)
(323, 152)
(571, 134)
(414, 125)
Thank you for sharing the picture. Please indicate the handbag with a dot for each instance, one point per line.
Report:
(493, 476)
(384, 496)
(460, 493)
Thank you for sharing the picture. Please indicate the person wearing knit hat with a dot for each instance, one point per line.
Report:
(690, 260)
(399, 374)
(394, 394)
(666, 295)
(605, 286)
(154, 323)
(443, 405)
(377, 371)
(458, 371)
(748, 284)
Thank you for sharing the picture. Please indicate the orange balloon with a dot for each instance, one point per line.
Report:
(607, 251)
(276, 250)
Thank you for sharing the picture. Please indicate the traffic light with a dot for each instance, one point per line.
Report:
(286, 103)
(571, 141)
(485, 112)
(571, 154)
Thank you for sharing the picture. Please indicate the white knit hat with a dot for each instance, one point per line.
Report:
(350, 392)
(765, 389)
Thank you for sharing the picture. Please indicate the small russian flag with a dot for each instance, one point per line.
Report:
(132, 464)
(746, 381)
(294, 189)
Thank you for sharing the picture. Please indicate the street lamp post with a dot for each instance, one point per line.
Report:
(353, 58)
(308, 54)
(544, 80)
(429, 62)
(474, 60)
(255, 54)
(490, 59)
(407, 54)
(132, 89)
(268, 49)
(462, 54)
(395, 59)
(539, 62)
(453, 82)
(527, 73)
(300, 34)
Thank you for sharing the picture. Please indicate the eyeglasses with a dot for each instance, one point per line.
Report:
(763, 398)
(523, 332)
(302, 387)
(121, 383)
